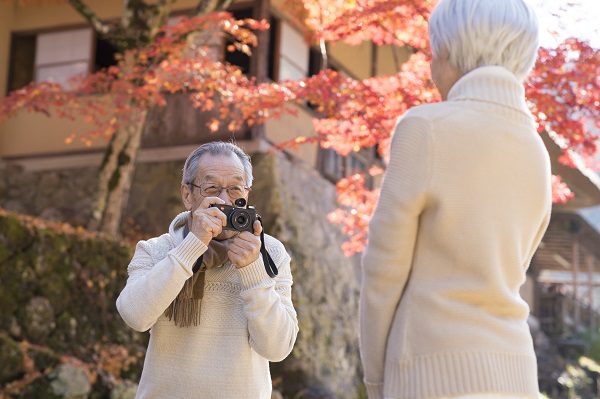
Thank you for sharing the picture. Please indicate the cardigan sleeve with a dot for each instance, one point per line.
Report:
(152, 285)
(387, 260)
(272, 320)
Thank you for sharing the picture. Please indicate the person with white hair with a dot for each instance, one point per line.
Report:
(214, 291)
(464, 203)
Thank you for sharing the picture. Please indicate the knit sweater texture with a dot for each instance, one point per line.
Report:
(247, 319)
(464, 203)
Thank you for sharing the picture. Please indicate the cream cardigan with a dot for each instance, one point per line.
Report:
(464, 203)
(247, 319)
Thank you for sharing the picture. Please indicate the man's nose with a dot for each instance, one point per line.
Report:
(225, 197)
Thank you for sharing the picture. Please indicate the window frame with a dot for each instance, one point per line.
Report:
(36, 33)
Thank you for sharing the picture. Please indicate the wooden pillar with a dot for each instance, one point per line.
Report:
(259, 61)
(590, 266)
(576, 278)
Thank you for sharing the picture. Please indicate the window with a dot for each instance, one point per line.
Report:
(56, 56)
(62, 55)
(104, 55)
(334, 166)
(237, 57)
(288, 52)
(330, 164)
(293, 54)
(243, 60)
(22, 61)
(274, 44)
(315, 61)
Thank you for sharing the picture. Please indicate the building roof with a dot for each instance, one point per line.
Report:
(583, 181)
(591, 216)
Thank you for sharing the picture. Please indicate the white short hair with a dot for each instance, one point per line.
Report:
(190, 169)
(478, 33)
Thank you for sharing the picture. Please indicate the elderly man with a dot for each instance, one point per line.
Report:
(216, 314)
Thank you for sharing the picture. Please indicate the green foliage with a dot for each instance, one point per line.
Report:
(577, 381)
(580, 380)
(11, 359)
(362, 391)
(58, 288)
(592, 340)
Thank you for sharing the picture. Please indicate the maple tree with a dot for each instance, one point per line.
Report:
(563, 90)
(154, 58)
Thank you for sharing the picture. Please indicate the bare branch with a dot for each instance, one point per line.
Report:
(206, 6)
(86, 12)
(163, 9)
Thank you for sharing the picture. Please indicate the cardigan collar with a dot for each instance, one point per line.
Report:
(494, 85)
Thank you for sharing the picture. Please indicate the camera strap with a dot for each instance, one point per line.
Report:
(270, 266)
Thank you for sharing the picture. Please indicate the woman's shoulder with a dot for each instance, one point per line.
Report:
(430, 111)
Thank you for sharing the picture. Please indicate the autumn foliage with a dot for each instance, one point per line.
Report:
(178, 60)
(563, 90)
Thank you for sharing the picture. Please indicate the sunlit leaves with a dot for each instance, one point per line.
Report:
(564, 91)
(142, 77)
(399, 22)
(560, 191)
(356, 205)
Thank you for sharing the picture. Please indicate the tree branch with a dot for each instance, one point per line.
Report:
(163, 9)
(86, 12)
(206, 6)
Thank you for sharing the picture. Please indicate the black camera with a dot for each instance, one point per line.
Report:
(239, 217)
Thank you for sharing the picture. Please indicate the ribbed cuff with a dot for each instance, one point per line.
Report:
(189, 250)
(374, 391)
(254, 274)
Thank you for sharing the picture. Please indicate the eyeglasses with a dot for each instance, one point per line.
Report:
(214, 190)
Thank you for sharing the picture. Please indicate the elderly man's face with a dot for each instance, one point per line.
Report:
(217, 170)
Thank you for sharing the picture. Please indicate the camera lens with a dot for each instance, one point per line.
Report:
(240, 219)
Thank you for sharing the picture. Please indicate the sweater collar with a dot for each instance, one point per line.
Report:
(177, 227)
(494, 85)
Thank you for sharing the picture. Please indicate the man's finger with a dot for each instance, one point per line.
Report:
(257, 227)
(208, 201)
(213, 212)
(248, 239)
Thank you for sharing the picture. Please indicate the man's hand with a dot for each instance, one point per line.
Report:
(245, 247)
(207, 221)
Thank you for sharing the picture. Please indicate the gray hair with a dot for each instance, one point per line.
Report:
(478, 33)
(190, 169)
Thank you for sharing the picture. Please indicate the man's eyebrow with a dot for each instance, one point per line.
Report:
(235, 177)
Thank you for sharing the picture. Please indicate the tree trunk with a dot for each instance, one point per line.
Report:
(116, 174)
(140, 24)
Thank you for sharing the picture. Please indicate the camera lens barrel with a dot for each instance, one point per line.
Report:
(239, 219)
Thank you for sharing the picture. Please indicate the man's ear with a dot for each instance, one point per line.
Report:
(443, 55)
(186, 196)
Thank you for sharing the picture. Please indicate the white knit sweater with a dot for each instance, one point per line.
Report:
(247, 319)
(464, 203)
